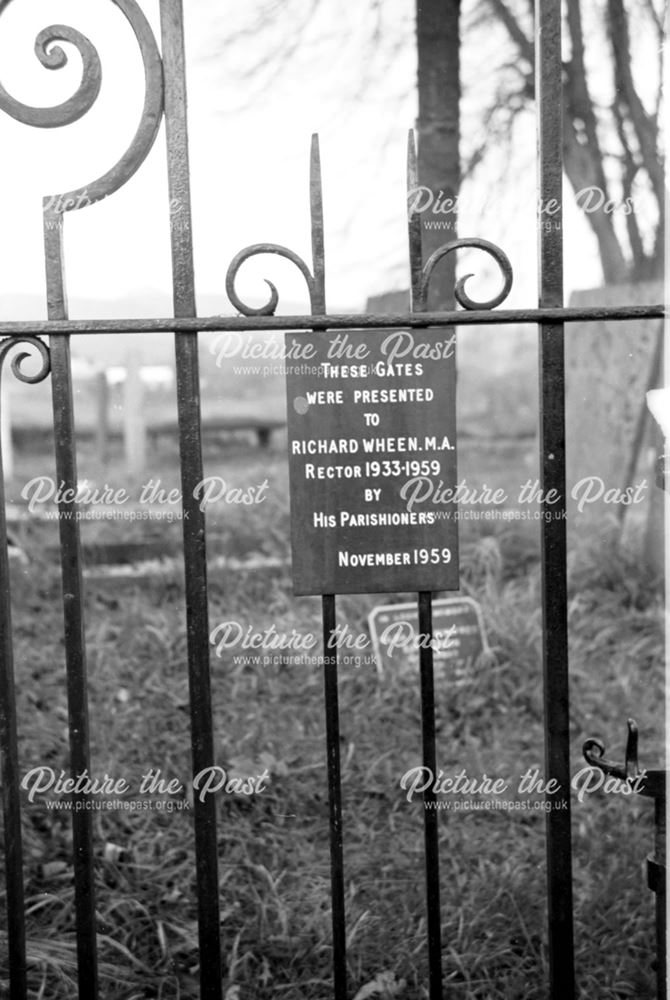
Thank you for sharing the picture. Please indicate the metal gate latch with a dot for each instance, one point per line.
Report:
(652, 785)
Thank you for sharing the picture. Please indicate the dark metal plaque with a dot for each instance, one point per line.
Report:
(372, 461)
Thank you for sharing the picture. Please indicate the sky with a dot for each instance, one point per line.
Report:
(249, 162)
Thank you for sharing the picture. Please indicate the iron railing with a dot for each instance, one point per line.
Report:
(165, 98)
(652, 784)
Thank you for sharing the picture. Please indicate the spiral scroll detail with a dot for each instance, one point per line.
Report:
(9, 343)
(461, 296)
(270, 306)
(53, 57)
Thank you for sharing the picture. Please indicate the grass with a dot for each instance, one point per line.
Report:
(273, 847)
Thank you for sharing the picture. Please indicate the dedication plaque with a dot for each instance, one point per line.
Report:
(372, 461)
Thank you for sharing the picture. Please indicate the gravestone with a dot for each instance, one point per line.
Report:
(610, 434)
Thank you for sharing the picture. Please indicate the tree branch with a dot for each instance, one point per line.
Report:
(583, 154)
(524, 45)
(497, 127)
(582, 174)
(629, 172)
(656, 19)
(630, 100)
(578, 96)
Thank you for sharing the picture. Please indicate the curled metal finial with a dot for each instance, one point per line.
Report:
(270, 306)
(461, 296)
(594, 754)
(420, 276)
(147, 130)
(651, 783)
(52, 57)
(6, 346)
(316, 278)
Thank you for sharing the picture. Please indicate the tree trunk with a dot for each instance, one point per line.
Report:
(437, 29)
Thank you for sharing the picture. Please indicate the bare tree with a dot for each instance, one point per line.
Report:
(438, 124)
(612, 151)
(612, 100)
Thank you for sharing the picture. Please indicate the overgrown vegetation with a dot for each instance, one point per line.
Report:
(273, 847)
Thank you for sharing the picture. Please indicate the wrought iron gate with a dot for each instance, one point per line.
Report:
(166, 99)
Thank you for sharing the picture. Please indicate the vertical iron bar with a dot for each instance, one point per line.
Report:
(431, 839)
(190, 450)
(549, 102)
(73, 606)
(425, 610)
(415, 235)
(334, 800)
(318, 289)
(9, 755)
(660, 891)
(330, 664)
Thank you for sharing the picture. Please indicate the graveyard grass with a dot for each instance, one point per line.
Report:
(273, 847)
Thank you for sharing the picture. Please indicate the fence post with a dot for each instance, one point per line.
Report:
(438, 124)
(102, 418)
(553, 528)
(6, 432)
(134, 422)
